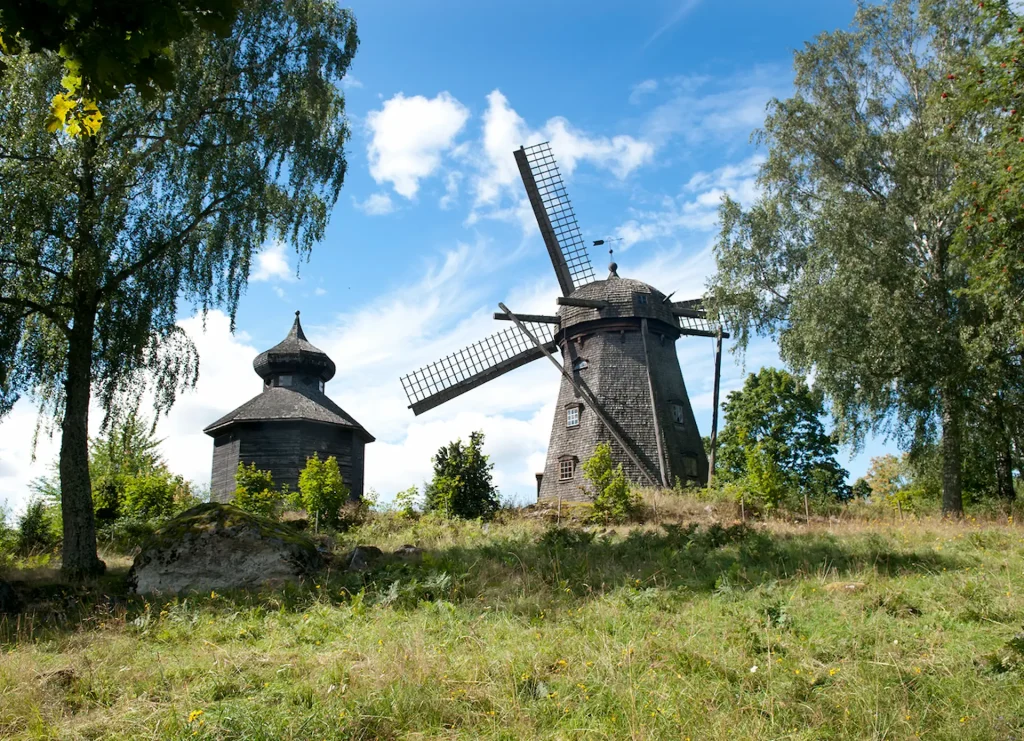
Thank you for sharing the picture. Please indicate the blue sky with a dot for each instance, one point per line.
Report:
(649, 107)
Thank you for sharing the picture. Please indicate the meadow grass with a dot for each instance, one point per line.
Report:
(693, 626)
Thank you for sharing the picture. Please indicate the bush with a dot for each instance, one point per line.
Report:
(462, 485)
(406, 501)
(152, 495)
(614, 499)
(322, 492)
(255, 491)
(35, 529)
(127, 533)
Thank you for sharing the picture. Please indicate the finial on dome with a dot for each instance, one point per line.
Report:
(613, 266)
(297, 328)
(297, 312)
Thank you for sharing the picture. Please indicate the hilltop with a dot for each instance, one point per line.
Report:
(690, 625)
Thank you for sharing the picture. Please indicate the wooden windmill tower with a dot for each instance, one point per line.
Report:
(621, 381)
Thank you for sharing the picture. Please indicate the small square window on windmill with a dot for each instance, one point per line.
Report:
(627, 341)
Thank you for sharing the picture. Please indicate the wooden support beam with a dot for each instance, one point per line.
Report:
(586, 394)
(582, 303)
(535, 318)
(703, 333)
(654, 406)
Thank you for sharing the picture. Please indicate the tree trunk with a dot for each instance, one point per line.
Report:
(952, 461)
(79, 558)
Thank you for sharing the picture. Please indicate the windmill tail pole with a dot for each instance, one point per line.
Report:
(585, 393)
(714, 407)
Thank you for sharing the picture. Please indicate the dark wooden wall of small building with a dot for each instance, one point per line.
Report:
(282, 448)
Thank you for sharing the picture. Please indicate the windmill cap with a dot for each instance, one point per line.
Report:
(625, 297)
(294, 354)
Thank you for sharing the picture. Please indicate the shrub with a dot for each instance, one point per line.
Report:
(406, 501)
(322, 492)
(255, 491)
(35, 529)
(126, 534)
(614, 499)
(151, 495)
(462, 484)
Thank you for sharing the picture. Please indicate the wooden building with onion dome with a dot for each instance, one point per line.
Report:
(289, 421)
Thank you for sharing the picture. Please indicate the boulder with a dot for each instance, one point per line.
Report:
(363, 557)
(219, 546)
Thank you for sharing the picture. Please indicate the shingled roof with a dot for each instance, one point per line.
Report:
(279, 404)
(294, 354)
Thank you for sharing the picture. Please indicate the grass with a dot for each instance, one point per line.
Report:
(695, 627)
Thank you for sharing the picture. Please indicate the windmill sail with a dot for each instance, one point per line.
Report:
(693, 319)
(475, 365)
(555, 217)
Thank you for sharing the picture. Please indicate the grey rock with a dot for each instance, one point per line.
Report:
(409, 552)
(219, 546)
(363, 557)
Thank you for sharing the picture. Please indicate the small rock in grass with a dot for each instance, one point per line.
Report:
(845, 586)
(409, 552)
(363, 557)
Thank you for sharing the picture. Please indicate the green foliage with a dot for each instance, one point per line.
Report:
(614, 499)
(111, 45)
(406, 501)
(104, 235)
(774, 446)
(35, 529)
(322, 492)
(847, 258)
(127, 450)
(154, 495)
(255, 491)
(462, 484)
(861, 489)
(982, 96)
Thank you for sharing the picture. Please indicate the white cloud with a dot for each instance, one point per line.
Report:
(279, 292)
(621, 155)
(701, 109)
(504, 131)
(696, 209)
(318, 291)
(378, 204)
(642, 90)
(451, 190)
(351, 82)
(409, 135)
(272, 263)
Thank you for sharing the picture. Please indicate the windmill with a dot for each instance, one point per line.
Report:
(621, 381)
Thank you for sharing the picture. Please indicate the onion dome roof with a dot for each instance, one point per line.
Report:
(294, 354)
